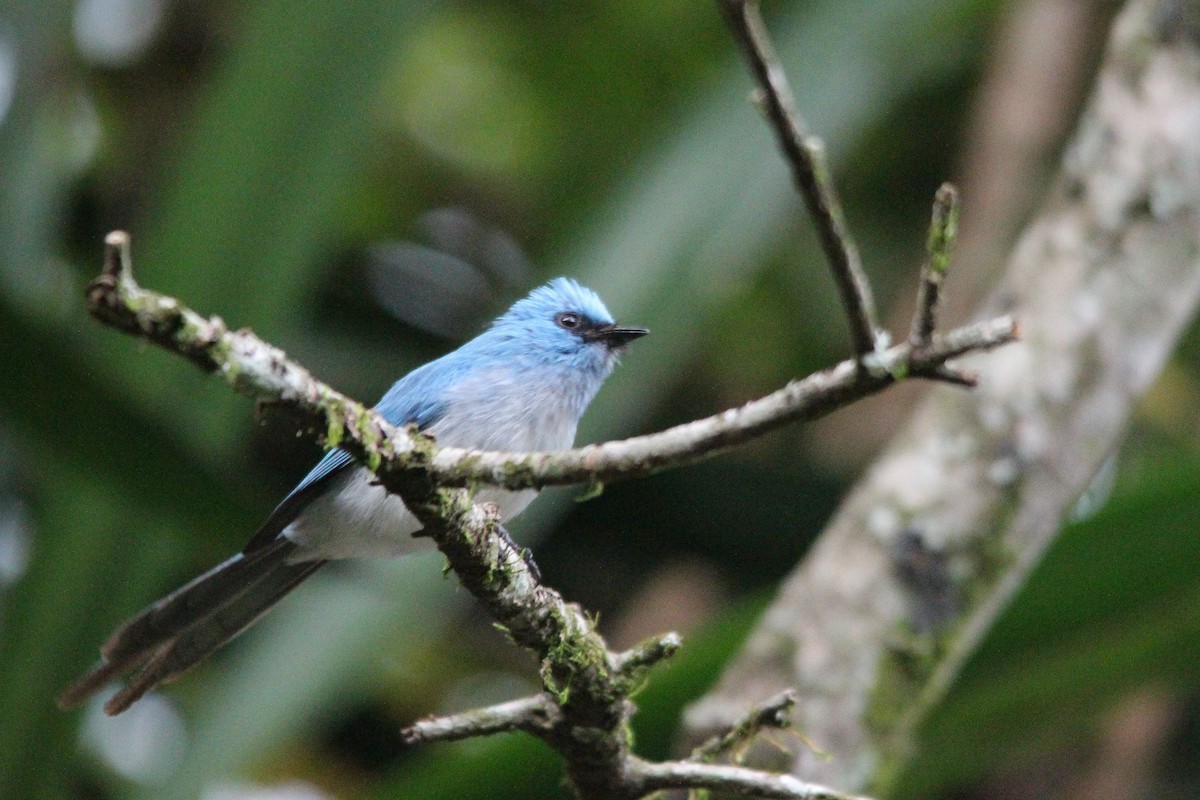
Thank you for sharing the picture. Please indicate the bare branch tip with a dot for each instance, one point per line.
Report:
(529, 714)
(943, 227)
(773, 713)
(117, 238)
(116, 254)
(647, 653)
(946, 195)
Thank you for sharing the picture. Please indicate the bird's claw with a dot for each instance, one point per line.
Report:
(525, 554)
(530, 564)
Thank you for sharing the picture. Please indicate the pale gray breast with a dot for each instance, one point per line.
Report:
(503, 410)
(492, 411)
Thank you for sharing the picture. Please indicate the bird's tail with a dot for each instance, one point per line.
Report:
(178, 631)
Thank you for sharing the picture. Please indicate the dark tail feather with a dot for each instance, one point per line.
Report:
(203, 612)
(197, 642)
(193, 601)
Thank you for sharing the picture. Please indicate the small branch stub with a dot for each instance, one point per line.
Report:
(775, 713)
(646, 654)
(943, 228)
(532, 714)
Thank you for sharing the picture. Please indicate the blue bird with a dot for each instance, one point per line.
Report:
(520, 385)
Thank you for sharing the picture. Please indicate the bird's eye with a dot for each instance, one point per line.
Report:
(568, 319)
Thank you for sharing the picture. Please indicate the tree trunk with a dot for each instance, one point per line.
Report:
(876, 622)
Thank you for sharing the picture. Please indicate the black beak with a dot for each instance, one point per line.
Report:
(615, 335)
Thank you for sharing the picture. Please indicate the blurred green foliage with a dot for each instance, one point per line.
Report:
(257, 150)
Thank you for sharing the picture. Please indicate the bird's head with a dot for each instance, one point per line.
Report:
(563, 326)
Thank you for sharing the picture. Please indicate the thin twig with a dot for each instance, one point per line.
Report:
(646, 654)
(806, 399)
(943, 227)
(805, 154)
(728, 778)
(529, 714)
(774, 713)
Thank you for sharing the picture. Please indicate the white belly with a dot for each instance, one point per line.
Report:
(361, 520)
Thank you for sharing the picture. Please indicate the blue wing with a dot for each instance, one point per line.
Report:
(334, 462)
(415, 398)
